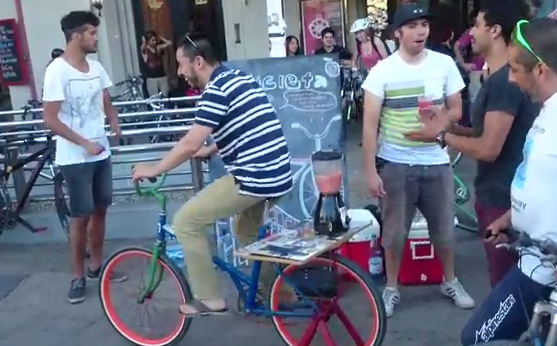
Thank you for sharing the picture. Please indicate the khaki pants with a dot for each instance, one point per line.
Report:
(216, 201)
(156, 85)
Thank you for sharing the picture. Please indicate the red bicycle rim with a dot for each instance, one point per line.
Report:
(112, 315)
(280, 322)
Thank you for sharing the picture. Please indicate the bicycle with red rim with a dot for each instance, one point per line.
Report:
(320, 285)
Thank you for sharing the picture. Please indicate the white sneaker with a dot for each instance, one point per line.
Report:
(456, 292)
(391, 297)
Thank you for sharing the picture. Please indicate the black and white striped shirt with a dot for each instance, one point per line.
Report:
(247, 133)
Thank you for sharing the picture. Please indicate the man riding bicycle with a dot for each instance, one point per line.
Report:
(506, 312)
(248, 136)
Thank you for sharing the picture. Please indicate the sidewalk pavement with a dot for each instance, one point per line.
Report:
(34, 281)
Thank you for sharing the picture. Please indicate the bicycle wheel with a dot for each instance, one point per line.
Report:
(326, 294)
(5, 207)
(60, 202)
(171, 284)
(307, 192)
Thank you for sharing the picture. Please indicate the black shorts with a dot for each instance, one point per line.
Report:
(89, 186)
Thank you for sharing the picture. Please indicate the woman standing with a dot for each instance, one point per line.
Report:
(371, 49)
(152, 49)
(292, 45)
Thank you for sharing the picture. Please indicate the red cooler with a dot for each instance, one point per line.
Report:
(358, 249)
(419, 265)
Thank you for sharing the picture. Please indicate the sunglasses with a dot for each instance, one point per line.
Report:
(192, 42)
(517, 34)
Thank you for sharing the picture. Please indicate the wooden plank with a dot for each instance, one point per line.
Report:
(339, 242)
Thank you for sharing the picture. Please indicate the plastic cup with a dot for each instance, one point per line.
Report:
(425, 104)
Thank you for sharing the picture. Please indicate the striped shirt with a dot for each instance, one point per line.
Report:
(247, 133)
(400, 86)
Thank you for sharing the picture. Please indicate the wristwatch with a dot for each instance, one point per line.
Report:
(440, 139)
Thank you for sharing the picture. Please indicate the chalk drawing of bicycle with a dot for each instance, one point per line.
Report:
(303, 175)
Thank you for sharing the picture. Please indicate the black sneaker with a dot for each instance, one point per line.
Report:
(77, 291)
(114, 277)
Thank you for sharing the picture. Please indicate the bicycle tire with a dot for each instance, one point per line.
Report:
(60, 203)
(365, 280)
(307, 212)
(120, 328)
(5, 206)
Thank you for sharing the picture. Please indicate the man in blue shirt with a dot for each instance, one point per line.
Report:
(248, 136)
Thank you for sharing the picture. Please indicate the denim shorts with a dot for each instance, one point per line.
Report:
(429, 188)
(89, 186)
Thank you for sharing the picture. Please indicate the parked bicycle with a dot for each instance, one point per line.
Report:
(352, 95)
(466, 217)
(11, 211)
(319, 285)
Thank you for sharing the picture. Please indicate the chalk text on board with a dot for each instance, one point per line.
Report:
(285, 81)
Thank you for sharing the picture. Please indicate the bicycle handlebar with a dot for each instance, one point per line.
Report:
(317, 136)
(547, 249)
(153, 189)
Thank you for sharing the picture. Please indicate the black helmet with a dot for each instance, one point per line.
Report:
(56, 52)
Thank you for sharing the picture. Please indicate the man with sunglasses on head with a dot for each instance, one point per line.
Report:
(501, 116)
(236, 112)
(506, 312)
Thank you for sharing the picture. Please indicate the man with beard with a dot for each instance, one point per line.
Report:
(236, 112)
(76, 103)
(506, 312)
(414, 174)
(501, 117)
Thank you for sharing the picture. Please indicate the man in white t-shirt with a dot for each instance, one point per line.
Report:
(506, 312)
(411, 174)
(76, 106)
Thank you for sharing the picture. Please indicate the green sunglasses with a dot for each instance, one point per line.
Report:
(518, 37)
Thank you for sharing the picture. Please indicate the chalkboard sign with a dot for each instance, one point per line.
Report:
(12, 69)
(305, 91)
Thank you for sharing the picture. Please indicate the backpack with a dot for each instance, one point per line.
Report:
(384, 45)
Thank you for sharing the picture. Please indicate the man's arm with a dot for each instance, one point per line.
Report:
(454, 85)
(212, 108)
(503, 104)
(373, 102)
(53, 96)
(110, 111)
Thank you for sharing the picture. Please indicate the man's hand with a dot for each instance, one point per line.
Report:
(143, 171)
(93, 148)
(496, 230)
(204, 152)
(115, 128)
(432, 126)
(375, 186)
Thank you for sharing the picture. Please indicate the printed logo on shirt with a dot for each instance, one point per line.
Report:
(487, 330)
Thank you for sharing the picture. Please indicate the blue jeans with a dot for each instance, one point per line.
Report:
(506, 312)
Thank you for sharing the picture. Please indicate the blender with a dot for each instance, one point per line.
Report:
(330, 215)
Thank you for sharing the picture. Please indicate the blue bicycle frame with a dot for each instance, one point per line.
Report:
(246, 285)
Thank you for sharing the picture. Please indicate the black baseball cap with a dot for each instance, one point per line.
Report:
(408, 12)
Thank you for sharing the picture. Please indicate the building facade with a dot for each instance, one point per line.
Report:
(238, 28)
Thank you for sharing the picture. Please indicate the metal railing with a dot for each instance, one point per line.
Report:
(188, 176)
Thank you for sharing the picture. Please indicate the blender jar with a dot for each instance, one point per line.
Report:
(327, 171)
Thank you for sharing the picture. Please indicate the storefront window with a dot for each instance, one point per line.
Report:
(377, 12)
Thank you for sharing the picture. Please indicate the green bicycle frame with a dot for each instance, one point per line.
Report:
(155, 267)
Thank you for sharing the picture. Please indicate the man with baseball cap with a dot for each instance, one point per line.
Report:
(412, 173)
